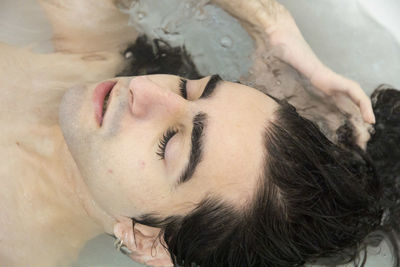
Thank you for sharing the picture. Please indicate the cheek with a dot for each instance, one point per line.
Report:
(110, 170)
(128, 183)
(124, 176)
(141, 165)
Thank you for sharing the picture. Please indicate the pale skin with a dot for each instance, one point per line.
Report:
(56, 195)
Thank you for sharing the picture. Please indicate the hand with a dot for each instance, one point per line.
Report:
(331, 83)
(294, 50)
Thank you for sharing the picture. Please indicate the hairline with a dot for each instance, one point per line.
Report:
(155, 219)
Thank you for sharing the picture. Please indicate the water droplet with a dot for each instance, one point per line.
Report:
(141, 15)
(226, 42)
(128, 54)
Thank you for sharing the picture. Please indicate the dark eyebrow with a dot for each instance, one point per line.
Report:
(196, 151)
(211, 85)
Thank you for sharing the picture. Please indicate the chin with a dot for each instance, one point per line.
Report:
(69, 113)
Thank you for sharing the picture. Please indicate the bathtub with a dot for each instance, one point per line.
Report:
(357, 38)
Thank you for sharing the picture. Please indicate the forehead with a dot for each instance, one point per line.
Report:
(233, 150)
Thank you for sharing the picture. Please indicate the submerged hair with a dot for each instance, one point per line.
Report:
(314, 200)
(156, 56)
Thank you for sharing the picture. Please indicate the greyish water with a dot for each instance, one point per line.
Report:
(359, 39)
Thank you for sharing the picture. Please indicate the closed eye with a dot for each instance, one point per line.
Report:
(162, 145)
(208, 89)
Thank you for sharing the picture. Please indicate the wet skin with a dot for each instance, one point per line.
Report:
(122, 159)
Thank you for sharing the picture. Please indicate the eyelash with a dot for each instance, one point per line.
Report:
(164, 141)
(171, 132)
(182, 88)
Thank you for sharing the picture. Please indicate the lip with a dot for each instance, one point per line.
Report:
(99, 95)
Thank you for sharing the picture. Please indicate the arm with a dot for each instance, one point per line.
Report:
(86, 26)
(267, 21)
(256, 15)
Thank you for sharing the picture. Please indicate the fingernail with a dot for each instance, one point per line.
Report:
(372, 118)
(373, 121)
(368, 116)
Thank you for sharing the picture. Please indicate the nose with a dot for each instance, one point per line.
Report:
(150, 99)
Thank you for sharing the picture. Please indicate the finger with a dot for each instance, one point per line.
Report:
(330, 82)
(367, 112)
(358, 96)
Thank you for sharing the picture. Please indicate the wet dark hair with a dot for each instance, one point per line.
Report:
(384, 149)
(156, 56)
(315, 200)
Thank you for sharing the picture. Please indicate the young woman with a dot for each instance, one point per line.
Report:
(224, 174)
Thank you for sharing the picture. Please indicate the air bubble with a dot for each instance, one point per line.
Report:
(141, 15)
(226, 42)
(128, 54)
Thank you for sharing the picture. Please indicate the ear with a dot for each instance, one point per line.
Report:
(144, 242)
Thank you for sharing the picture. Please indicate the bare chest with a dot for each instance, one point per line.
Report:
(41, 219)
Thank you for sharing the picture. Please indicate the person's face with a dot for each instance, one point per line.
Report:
(153, 151)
